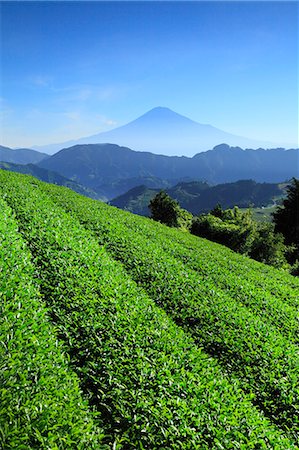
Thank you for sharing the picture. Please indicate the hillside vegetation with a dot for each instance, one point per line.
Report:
(198, 197)
(21, 155)
(111, 170)
(48, 176)
(162, 340)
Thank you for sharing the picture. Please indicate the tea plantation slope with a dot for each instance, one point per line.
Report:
(156, 388)
(41, 405)
(219, 268)
(247, 346)
(271, 280)
(275, 281)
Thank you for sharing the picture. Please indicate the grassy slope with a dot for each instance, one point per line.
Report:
(260, 355)
(67, 254)
(41, 404)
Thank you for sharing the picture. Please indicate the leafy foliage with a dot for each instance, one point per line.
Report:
(41, 403)
(183, 378)
(166, 210)
(240, 232)
(286, 220)
(265, 361)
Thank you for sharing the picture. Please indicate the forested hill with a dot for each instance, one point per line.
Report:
(119, 332)
(102, 167)
(21, 155)
(48, 176)
(199, 197)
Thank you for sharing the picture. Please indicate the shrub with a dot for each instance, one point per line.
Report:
(166, 210)
(227, 233)
(240, 232)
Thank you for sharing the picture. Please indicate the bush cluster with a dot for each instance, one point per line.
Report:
(238, 231)
(202, 374)
(166, 210)
(251, 349)
(41, 402)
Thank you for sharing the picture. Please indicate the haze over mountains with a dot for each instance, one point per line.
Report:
(111, 170)
(107, 170)
(48, 176)
(21, 155)
(164, 132)
(198, 197)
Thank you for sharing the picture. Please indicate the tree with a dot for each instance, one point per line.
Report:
(225, 230)
(217, 211)
(166, 210)
(286, 218)
(267, 246)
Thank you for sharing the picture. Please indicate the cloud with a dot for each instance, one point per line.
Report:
(73, 115)
(82, 93)
(73, 96)
(98, 119)
(105, 121)
(74, 124)
(41, 80)
(110, 123)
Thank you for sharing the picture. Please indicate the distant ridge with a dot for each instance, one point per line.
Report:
(198, 197)
(21, 155)
(165, 132)
(48, 176)
(111, 170)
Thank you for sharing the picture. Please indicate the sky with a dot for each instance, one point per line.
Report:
(73, 69)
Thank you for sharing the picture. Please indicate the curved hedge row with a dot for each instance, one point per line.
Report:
(221, 272)
(265, 360)
(41, 405)
(221, 269)
(273, 281)
(155, 388)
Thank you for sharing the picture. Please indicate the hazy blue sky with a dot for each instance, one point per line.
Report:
(72, 69)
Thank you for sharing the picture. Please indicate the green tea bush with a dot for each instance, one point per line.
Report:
(41, 404)
(211, 259)
(220, 270)
(154, 387)
(230, 234)
(254, 350)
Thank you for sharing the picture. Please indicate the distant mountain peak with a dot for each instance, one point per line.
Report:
(163, 113)
(164, 132)
(159, 109)
(225, 147)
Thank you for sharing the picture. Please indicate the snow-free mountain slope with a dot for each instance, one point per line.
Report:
(107, 168)
(21, 155)
(48, 176)
(165, 132)
(198, 197)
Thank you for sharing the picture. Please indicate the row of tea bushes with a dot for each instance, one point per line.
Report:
(222, 269)
(248, 347)
(273, 281)
(41, 404)
(262, 302)
(277, 282)
(154, 388)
